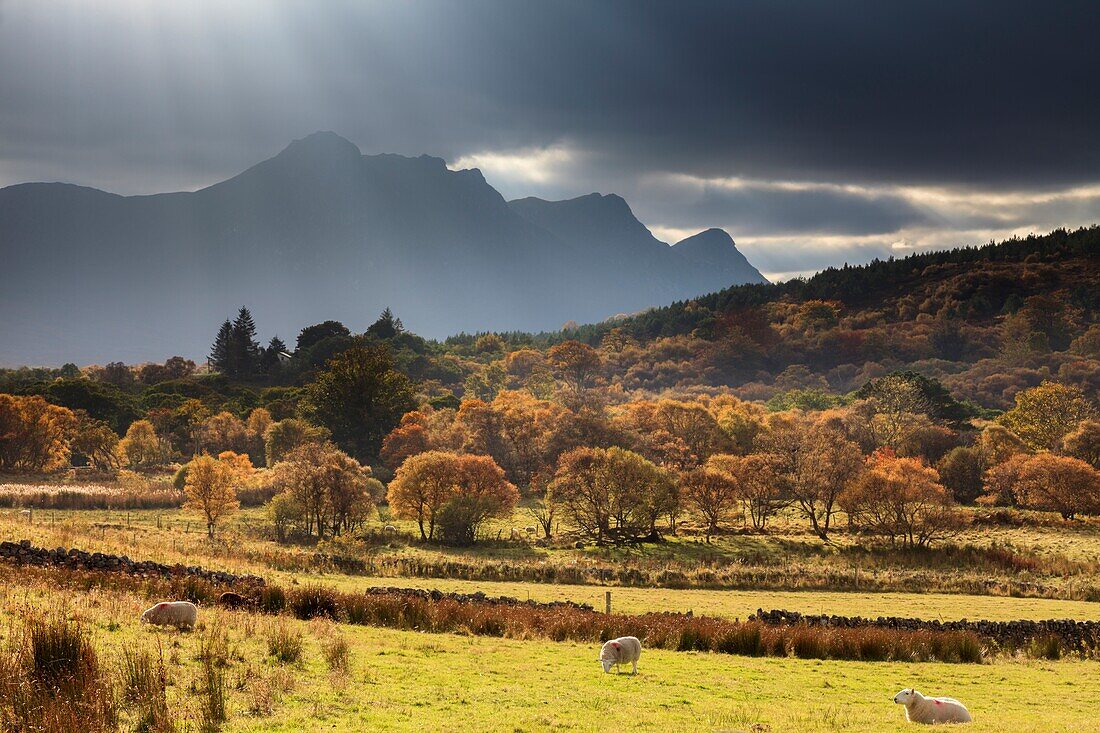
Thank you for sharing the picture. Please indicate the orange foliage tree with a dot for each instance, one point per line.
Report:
(460, 491)
(34, 435)
(901, 498)
(1049, 482)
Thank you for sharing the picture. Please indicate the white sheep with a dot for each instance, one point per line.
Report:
(624, 650)
(931, 710)
(390, 529)
(181, 614)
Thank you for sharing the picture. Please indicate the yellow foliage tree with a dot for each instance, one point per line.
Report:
(209, 489)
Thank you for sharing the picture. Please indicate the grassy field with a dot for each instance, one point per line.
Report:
(399, 681)
(739, 604)
(403, 680)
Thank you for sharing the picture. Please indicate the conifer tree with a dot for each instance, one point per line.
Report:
(244, 351)
(387, 326)
(219, 352)
(269, 362)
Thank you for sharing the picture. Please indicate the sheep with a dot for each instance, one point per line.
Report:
(931, 710)
(181, 614)
(531, 530)
(229, 599)
(624, 650)
(389, 529)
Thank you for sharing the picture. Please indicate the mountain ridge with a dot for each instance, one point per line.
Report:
(315, 232)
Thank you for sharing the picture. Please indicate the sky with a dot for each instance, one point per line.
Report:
(814, 133)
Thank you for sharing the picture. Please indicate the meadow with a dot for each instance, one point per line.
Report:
(280, 673)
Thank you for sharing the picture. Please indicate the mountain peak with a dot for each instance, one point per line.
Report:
(716, 249)
(324, 145)
(711, 240)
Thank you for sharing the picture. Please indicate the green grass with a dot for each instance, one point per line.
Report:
(401, 680)
(739, 604)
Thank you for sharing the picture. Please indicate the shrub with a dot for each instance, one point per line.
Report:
(51, 682)
(272, 599)
(285, 643)
(144, 685)
(314, 601)
(337, 652)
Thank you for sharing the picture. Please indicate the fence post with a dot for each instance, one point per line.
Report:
(607, 602)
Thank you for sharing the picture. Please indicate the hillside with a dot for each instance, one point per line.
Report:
(319, 231)
(987, 321)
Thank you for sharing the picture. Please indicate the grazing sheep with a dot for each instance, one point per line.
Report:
(931, 710)
(624, 650)
(181, 614)
(229, 599)
(389, 528)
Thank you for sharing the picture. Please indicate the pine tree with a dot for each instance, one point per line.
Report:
(244, 351)
(387, 326)
(270, 361)
(219, 352)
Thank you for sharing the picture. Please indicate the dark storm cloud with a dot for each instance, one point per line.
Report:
(139, 96)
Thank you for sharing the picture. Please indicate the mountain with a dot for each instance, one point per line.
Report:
(612, 238)
(320, 231)
(714, 252)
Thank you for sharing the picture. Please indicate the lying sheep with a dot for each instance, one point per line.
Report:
(390, 529)
(624, 650)
(931, 710)
(181, 614)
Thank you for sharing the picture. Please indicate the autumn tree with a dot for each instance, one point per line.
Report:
(283, 436)
(142, 447)
(1084, 443)
(997, 444)
(713, 494)
(359, 397)
(407, 439)
(96, 442)
(420, 488)
(544, 509)
(1044, 415)
(332, 490)
(34, 435)
(815, 462)
(530, 435)
(575, 363)
(609, 493)
(1054, 483)
(961, 472)
(451, 492)
(259, 420)
(755, 485)
(902, 499)
(224, 432)
(669, 423)
(210, 489)
(480, 491)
